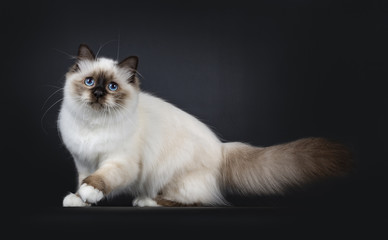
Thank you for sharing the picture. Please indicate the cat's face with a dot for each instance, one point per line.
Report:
(102, 84)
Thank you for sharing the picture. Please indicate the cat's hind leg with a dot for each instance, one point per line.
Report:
(197, 188)
(161, 201)
(144, 202)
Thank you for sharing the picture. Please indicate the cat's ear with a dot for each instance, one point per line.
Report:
(84, 52)
(130, 63)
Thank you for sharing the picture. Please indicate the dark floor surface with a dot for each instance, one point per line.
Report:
(332, 221)
(340, 209)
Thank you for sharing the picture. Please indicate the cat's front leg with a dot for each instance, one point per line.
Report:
(110, 175)
(74, 200)
(92, 189)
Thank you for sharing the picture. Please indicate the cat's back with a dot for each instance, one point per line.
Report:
(159, 113)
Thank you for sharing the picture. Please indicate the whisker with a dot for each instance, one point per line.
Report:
(118, 108)
(118, 48)
(103, 45)
(65, 53)
(138, 73)
(44, 114)
(105, 112)
(118, 114)
(48, 85)
(59, 133)
(44, 104)
(110, 113)
(84, 110)
(122, 106)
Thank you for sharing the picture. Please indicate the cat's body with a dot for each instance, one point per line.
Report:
(152, 159)
(125, 140)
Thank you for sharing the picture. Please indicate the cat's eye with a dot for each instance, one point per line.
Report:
(89, 81)
(113, 86)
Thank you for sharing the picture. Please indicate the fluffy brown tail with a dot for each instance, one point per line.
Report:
(248, 169)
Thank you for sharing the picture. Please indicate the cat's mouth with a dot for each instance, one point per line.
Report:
(96, 105)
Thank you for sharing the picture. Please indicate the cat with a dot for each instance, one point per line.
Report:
(124, 140)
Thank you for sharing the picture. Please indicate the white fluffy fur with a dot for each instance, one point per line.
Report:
(90, 194)
(72, 200)
(148, 147)
(157, 146)
(144, 202)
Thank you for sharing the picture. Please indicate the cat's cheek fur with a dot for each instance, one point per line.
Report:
(90, 194)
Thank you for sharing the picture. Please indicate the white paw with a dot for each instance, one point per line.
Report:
(90, 194)
(144, 202)
(72, 200)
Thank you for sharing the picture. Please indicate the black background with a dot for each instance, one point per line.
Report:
(263, 72)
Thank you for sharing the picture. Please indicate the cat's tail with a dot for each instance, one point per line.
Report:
(247, 169)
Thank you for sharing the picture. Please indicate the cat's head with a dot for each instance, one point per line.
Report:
(101, 84)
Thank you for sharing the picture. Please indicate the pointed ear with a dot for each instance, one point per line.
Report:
(84, 52)
(130, 63)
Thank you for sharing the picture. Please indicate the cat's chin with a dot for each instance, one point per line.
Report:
(96, 105)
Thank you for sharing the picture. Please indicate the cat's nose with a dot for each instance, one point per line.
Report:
(98, 93)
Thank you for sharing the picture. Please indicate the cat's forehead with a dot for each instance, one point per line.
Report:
(99, 65)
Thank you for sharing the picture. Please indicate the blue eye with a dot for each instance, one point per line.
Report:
(113, 86)
(89, 81)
